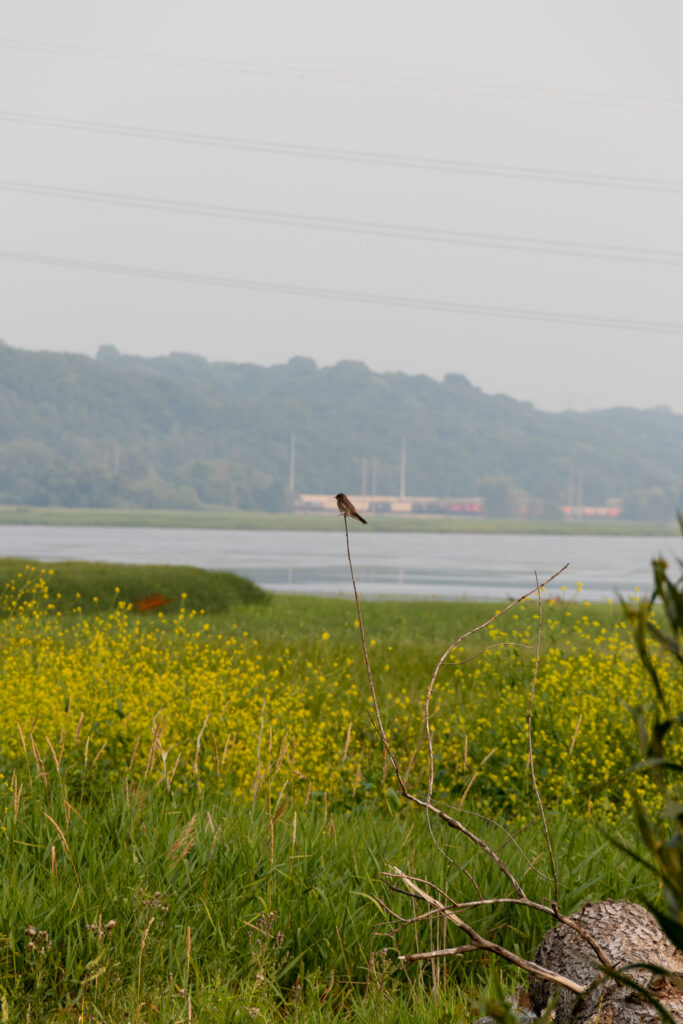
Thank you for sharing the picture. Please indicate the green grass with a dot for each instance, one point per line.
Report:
(236, 907)
(101, 585)
(269, 910)
(428, 625)
(234, 519)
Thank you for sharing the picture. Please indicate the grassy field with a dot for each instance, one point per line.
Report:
(196, 813)
(233, 519)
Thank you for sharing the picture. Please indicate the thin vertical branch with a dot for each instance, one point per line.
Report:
(379, 725)
(428, 805)
(532, 768)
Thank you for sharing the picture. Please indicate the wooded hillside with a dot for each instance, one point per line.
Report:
(180, 432)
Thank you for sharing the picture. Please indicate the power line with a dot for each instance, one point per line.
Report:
(361, 227)
(337, 295)
(353, 78)
(348, 155)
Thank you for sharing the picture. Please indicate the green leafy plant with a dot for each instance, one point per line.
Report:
(658, 631)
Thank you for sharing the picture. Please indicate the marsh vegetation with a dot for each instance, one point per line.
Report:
(211, 782)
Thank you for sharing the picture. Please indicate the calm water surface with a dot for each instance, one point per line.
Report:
(473, 566)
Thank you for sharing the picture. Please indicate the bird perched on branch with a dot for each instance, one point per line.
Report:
(346, 508)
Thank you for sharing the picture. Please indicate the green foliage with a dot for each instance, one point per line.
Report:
(93, 586)
(178, 432)
(663, 835)
(657, 640)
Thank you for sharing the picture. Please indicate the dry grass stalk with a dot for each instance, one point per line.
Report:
(347, 743)
(133, 754)
(79, 726)
(67, 850)
(57, 759)
(575, 736)
(22, 740)
(99, 753)
(38, 760)
(195, 763)
(16, 795)
(183, 844)
(143, 942)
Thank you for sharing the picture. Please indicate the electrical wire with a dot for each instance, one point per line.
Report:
(337, 295)
(353, 78)
(360, 227)
(348, 155)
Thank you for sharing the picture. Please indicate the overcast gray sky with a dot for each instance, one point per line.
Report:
(572, 112)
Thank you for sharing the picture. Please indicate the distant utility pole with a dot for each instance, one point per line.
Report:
(364, 476)
(292, 461)
(404, 448)
(375, 470)
(575, 493)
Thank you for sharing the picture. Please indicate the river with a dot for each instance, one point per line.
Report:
(452, 566)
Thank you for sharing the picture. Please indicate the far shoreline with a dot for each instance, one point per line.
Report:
(232, 519)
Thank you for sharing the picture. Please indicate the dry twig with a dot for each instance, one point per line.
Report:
(446, 907)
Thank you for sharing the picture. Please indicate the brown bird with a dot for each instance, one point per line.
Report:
(346, 508)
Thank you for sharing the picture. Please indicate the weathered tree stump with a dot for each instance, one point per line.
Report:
(628, 934)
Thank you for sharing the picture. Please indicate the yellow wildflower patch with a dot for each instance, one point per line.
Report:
(174, 697)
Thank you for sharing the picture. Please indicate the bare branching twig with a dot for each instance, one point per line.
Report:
(438, 902)
(478, 941)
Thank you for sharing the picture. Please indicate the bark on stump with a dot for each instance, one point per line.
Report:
(628, 934)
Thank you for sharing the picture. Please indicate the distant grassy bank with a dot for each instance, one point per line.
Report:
(233, 519)
(101, 586)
